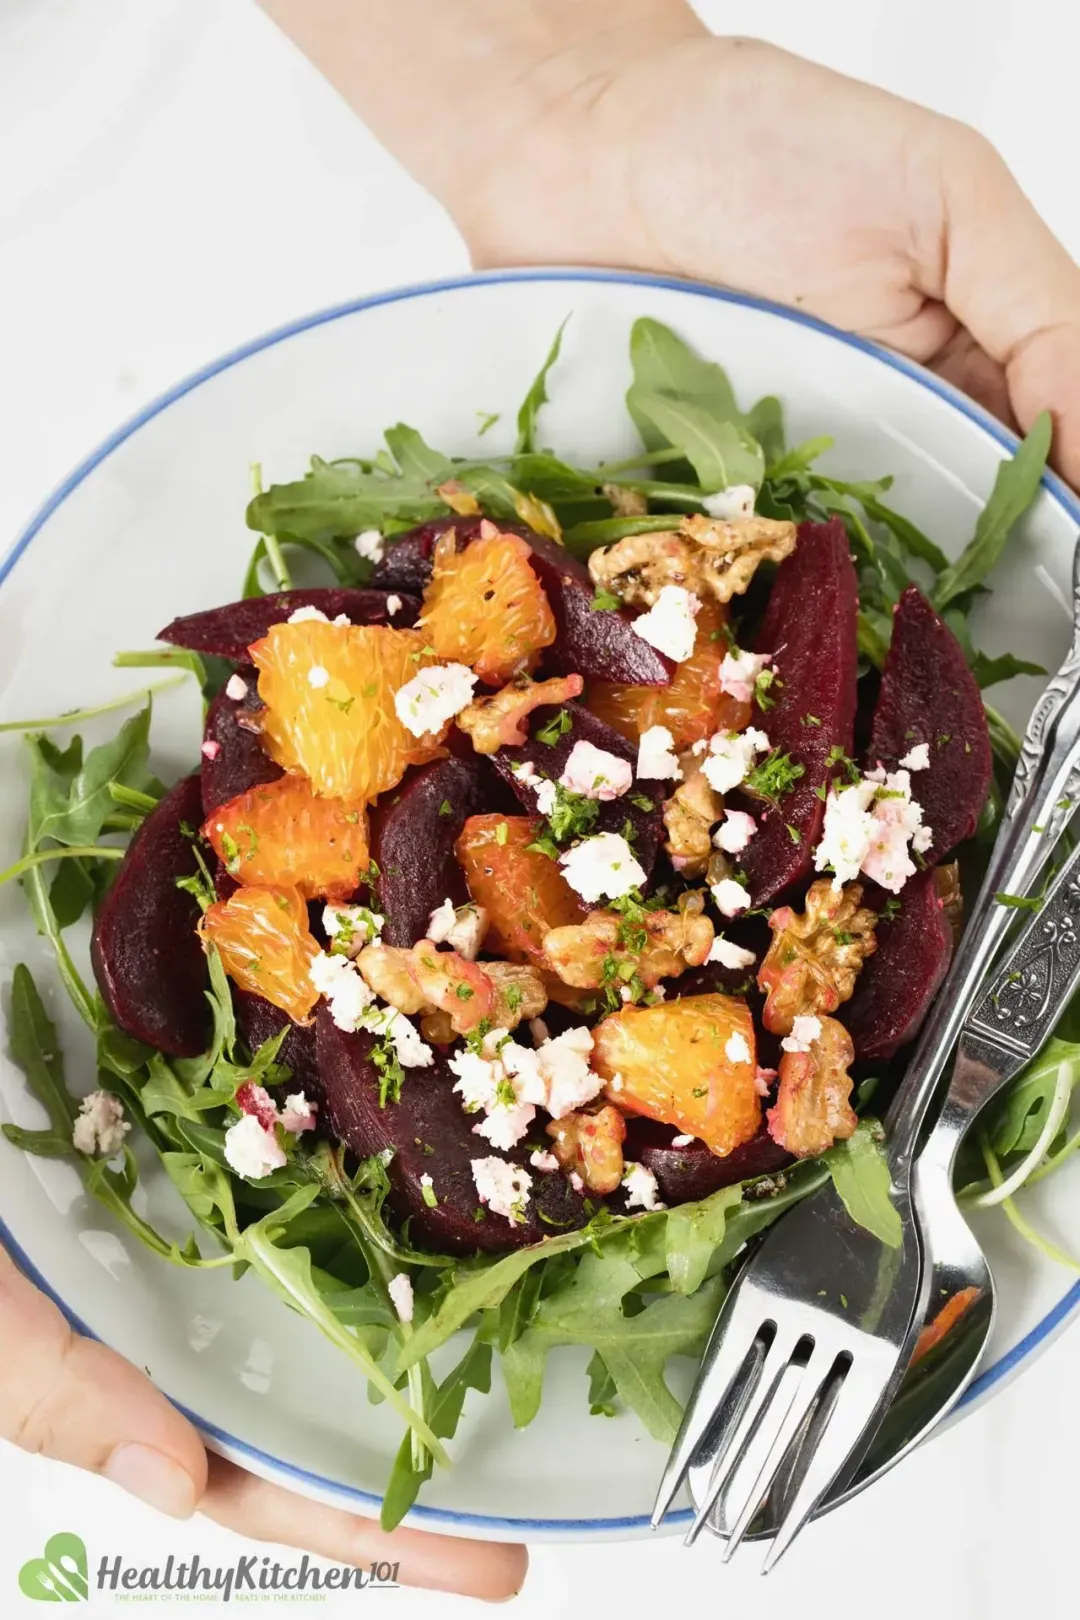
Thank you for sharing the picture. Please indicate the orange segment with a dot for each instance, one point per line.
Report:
(682, 1063)
(692, 707)
(522, 890)
(282, 835)
(485, 607)
(329, 695)
(265, 945)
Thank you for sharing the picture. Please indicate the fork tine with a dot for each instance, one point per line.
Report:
(813, 1385)
(727, 1354)
(836, 1441)
(741, 1431)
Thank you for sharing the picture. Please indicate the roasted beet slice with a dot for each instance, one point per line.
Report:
(810, 628)
(237, 760)
(592, 642)
(685, 1174)
(929, 695)
(432, 1135)
(146, 955)
(229, 631)
(549, 759)
(259, 1020)
(897, 984)
(413, 831)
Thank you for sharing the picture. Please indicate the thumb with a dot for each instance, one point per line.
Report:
(73, 1399)
(1012, 284)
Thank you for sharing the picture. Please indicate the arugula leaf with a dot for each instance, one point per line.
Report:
(340, 499)
(602, 1391)
(1015, 488)
(444, 1406)
(798, 459)
(663, 363)
(1018, 1117)
(581, 538)
(860, 1174)
(415, 457)
(721, 452)
(765, 424)
(693, 1233)
(72, 808)
(989, 671)
(536, 397)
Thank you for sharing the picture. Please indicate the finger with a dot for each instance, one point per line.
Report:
(968, 367)
(1012, 284)
(255, 1508)
(73, 1399)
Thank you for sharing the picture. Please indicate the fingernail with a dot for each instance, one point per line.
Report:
(153, 1477)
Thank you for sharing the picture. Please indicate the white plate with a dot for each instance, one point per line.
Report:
(151, 525)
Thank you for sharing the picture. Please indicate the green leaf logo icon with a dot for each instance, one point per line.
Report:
(60, 1576)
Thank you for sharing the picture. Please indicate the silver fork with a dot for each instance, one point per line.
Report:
(810, 1344)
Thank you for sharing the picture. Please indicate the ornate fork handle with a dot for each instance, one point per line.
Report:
(1040, 724)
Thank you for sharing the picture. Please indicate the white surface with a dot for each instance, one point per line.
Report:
(235, 192)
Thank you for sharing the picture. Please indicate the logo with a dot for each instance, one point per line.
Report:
(60, 1575)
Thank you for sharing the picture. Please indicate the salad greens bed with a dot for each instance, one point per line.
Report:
(635, 1290)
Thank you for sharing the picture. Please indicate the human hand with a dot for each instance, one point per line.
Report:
(77, 1401)
(729, 161)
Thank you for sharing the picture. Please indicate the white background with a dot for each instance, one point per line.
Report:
(174, 180)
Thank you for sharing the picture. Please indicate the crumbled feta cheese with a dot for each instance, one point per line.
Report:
(461, 927)
(545, 796)
(669, 624)
(100, 1126)
(412, 1052)
(734, 832)
(656, 759)
(736, 1049)
(543, 1161)
(917, 758)
(602, 867)
(699, 747)
(426, 1180)
(302, 615)
(640, 1186)
(527, 773)
(763, 1079)
(236, 688)
(504, 1127)
(251, 1150)
(728, 954)
(477, 1080)
(731, 757)
(318, 677)
(350, 928)
(617, 1082)
(805, 1030)
(869, 827)
(739, 671)
(370, 544)
(298, 1114)
(336, 977)
(737, 501)
(681, 1141)
(433, 697)
(401, 1295)
(210, 749)
(502, 1186)
(564, 1067)
(393, 605)
(730, 897)
(595, 773)
(253, 1099)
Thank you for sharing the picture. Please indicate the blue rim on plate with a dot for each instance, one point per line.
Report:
(446, 1518)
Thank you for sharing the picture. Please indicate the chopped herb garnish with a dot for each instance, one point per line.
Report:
(775, 776)
(474, 1040)
(890, 909)
(391, 1074)
(479, 1213)
(700, 1091)
(446, 808)
(946, 737)
(793, 833)
(844, 763)
(344, 704)
(463, 992)
(556, 727)
(642, 801)
(606, 601)
(427, 1193)
(514, 997)
(501, 833)
(811, 720)
(762, 684)
(231, 851)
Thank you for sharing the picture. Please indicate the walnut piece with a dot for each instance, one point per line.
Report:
(590, 1145)
(705, 555)
(450, 992)
(814, 959)
(599, 951)
(499, 721)
(689, 817)
(812, 1108)
(626, 502)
